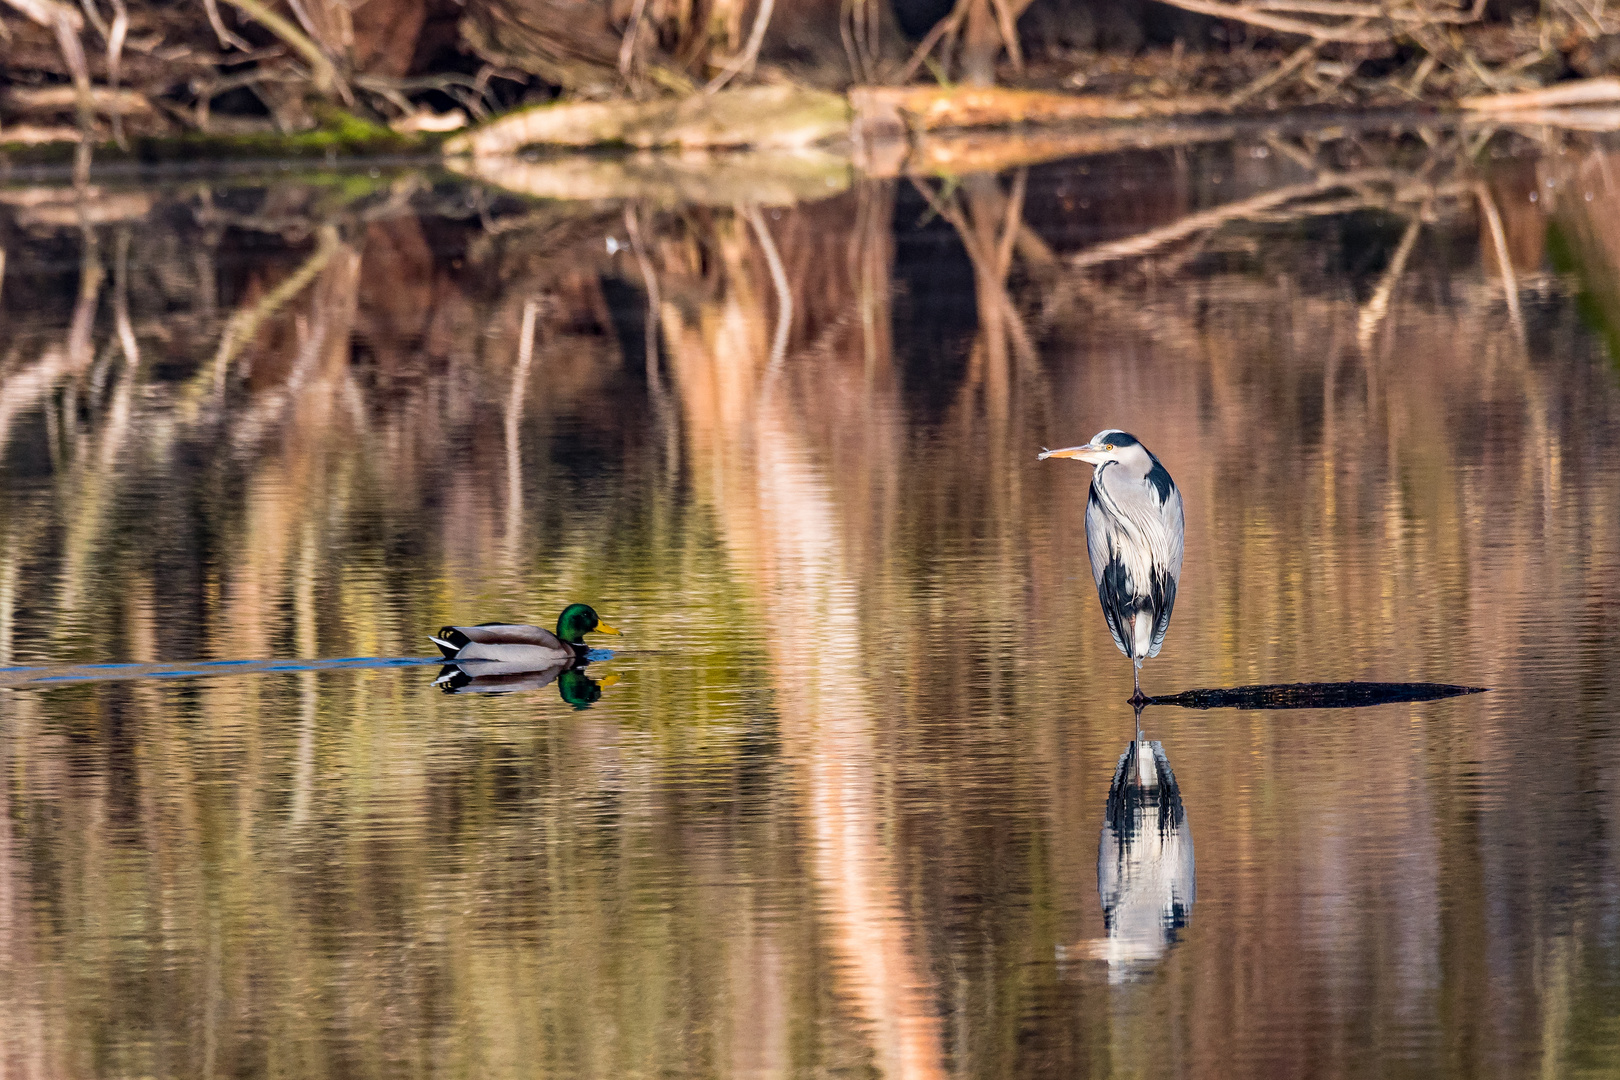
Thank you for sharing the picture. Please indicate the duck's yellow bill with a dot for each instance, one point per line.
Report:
(604, 628)
(608, 680)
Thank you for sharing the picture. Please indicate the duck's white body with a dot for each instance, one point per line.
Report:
(515, 646)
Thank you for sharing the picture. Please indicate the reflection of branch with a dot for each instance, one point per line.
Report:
(649, 281)
(245, 323)
(1143, 243)
(991, 256)
(784, 300)
(1377, 306)
(1504, 263)
(514, 413)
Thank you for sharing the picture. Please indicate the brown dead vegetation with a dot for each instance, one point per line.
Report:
(110, 69)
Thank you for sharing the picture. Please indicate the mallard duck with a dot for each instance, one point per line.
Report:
(523, 647)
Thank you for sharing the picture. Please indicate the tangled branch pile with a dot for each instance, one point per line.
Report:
(99, 70)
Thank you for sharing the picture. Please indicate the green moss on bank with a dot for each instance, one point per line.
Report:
(340, 134)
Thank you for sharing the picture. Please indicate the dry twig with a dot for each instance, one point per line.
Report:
(1346, 32)
(949, 25)
(746, 59)
(325, 74)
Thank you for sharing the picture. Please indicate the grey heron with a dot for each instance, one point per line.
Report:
(1134, 530)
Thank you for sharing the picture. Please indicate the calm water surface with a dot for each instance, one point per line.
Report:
(839, 803)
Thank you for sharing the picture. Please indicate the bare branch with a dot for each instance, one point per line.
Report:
(226, 38)
(1282, 24)
(627, 49)
(948, 25)
(746, 59)
(1301, 56)
(326, 76)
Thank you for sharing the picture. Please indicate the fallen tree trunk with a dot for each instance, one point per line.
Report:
(791, 116)
(760, 116)
(936, 108)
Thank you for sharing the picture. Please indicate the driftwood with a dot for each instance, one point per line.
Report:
(768, 117)
(1578, 92)
(762, 116)
(103, 99)
(932, 108)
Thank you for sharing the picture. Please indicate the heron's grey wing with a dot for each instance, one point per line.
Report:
(1113, 586)
(1166, 581)
(510, 634)
(1175, 526)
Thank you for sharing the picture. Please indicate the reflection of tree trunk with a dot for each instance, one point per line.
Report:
(991, 229)
(311, 401)
(777, 511)
(19, 392)
(26, 1030)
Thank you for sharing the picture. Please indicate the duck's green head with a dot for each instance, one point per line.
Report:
(580, 690)
(576, 621)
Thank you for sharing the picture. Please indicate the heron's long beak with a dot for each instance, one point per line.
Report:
(1095, 455)
(604, 628)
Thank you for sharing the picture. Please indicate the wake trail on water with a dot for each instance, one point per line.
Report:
(44, 675)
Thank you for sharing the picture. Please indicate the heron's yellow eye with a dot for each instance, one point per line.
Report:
(1109, 446)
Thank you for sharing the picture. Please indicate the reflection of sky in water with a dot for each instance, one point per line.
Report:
(836, 810)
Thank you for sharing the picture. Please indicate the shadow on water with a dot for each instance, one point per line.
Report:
(1340, 695)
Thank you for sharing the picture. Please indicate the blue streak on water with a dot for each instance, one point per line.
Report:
(54, 674)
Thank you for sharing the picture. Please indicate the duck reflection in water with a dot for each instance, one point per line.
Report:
(493, 677)
(1144, 864)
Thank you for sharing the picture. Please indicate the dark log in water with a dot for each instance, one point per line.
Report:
(1342, 695)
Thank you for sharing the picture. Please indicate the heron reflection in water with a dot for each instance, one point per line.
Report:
(1134, 532)
(1144, 864)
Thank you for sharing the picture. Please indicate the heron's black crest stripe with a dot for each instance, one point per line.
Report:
(1159, 477)
(1122, 438)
